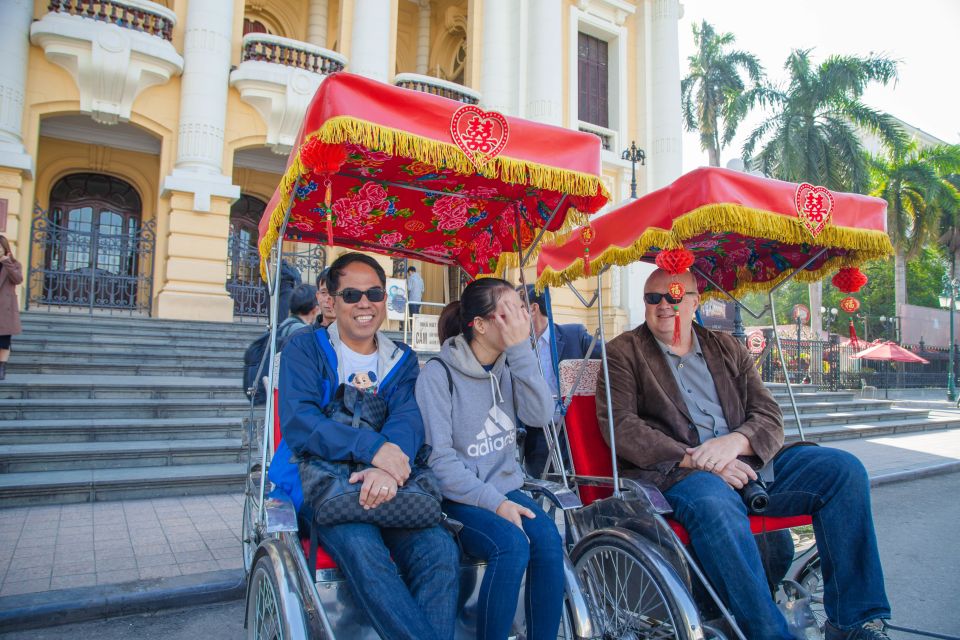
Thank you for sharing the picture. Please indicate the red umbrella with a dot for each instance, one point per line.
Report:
(889, 351)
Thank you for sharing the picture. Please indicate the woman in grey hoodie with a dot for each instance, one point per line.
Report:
(485, 379)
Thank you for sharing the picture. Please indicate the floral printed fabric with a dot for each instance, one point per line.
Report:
(448, 217)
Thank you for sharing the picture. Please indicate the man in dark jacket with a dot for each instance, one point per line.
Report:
(312, 366)
(289, 280)
(695, 419)
(555, 342)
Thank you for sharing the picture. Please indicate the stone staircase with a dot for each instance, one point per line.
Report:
(842, 415)
(105, 408)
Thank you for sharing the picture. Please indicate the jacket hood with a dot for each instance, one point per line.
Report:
(456, 352)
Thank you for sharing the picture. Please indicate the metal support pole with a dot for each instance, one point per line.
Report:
(783, 363)
(606, 387)
(738, 331)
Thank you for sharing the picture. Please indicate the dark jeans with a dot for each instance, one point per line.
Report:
(535, 452)
(419, 604)
(829, 484)
(509, 552)
(414, 308)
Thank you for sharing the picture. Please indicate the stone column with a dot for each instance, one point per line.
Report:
(499, 64)
(15, 162)
(371, 38)
(665, 160)
(317, 23)
(423, 38)
(544, 100)
(200, 194)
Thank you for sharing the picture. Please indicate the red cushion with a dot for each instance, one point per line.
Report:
(324, 561)
(276, 419)
(591, 457)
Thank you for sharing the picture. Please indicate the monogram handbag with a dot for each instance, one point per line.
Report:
(331, 497)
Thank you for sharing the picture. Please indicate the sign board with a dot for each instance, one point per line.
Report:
(756, 342)
(396, 298)
(801, 313)
(426, 336)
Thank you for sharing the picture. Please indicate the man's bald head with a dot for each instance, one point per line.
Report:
(660, 279)
(660, 317)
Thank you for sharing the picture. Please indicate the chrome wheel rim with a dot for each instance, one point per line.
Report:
(267, 622)
(627, 601)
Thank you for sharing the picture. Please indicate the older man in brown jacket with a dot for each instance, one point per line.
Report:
(695, 419)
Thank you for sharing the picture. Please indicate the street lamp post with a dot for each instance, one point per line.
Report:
(633, 155)
(953, 286)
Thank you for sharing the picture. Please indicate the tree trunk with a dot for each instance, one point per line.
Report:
(899, 281)
(816, 301)
(714, 155)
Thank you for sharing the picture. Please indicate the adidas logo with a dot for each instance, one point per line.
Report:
(498, 431)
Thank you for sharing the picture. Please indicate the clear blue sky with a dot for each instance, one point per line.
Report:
(921, 34)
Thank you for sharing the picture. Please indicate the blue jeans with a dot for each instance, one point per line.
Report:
(829, 484)
(509, 552)
(422, 604)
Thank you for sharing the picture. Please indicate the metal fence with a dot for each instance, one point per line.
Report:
(830, 365)
(91, 268)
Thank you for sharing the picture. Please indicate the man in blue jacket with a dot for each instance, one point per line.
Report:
(555, 342)
(423, 603)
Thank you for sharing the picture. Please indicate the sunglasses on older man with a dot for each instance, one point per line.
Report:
(352, 296)
(655, 298)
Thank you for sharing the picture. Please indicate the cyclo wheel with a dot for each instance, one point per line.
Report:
(632, 594)
(811, 579)
(248, 539)
(267, 617)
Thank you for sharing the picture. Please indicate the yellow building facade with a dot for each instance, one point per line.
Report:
(140, 141)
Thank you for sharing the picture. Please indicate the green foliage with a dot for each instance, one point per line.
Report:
(714, 96)
(925, 276)
(811, 134)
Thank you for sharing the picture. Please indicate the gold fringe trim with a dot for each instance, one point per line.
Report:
(343, 129)
(864, 244)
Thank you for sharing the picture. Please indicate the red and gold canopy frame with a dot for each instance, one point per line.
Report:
(746, 233)
(431, 178)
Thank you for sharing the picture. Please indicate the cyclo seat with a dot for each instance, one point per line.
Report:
(591, 455)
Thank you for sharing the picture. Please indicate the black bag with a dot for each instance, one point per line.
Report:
(333, 500)
(256, 354)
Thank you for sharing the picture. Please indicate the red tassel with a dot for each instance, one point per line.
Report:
(586, 263)
(676, 326)
(854, 340)
(327, 203)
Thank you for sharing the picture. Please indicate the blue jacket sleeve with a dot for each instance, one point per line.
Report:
(404, 425)
(302, 398)
(585, 340)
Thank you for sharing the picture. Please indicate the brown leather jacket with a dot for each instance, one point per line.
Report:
(651, 422)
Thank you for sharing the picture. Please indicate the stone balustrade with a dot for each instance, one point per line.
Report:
(437, 87)
(138, 15)
(263, 47)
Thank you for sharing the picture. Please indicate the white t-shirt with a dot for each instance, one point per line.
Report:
(356, 368)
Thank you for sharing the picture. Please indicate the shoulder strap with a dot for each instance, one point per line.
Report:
(446, 368)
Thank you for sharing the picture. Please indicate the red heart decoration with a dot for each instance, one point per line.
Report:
(480, 134)
(814, 207)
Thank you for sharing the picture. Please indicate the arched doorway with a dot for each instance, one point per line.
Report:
(244, 283)
(96, 251)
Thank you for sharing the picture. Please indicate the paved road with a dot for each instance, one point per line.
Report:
(917, 524)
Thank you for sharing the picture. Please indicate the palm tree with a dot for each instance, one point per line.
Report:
(812, 133)
(714, 95)
(916, 184)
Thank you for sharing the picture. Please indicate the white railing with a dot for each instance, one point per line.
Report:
(263, 47)
(437, 87)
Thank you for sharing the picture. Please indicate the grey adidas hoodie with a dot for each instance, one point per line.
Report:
(473, 433)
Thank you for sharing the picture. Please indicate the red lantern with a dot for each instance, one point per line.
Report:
(850, 304)
(849, 280)
(675, 261)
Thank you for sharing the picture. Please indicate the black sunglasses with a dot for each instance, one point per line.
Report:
(352, 296)
(655, 298)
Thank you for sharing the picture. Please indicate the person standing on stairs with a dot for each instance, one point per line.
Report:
(11, 274)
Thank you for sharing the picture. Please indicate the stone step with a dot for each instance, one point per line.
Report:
(59, 320)
(854, 417)
(816, 396)
(872, 430)
(120, 429)
(152, 388)
(122, 351)
(94, 485)
(58, 409)
(837, 407)
(67, 341)
(15, 369)
(29, 458)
